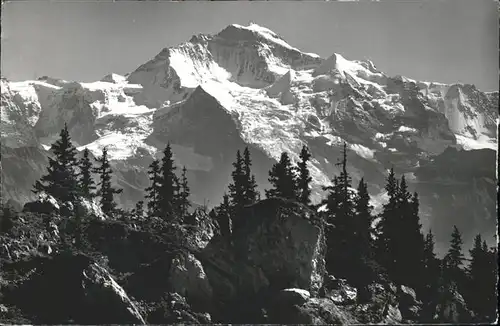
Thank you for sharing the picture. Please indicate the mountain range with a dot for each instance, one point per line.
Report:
(246, 86)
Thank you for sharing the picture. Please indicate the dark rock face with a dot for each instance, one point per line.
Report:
(275, 245)
(451, 307)
(71, 288)
(286, 240)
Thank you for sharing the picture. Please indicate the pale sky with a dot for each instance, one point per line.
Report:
(440, 40)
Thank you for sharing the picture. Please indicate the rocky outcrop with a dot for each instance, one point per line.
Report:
(275, 245)
(188, 278)
(451, 307)
(70, 288)
(285, 239)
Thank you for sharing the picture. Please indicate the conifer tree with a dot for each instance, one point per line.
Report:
(153, 191)
(237, 187)
(454, 257)
(429, 254)
(482, 272)
(61, 178)
(282, 178)
(106, 190)
(387, 228)
(183, 195)
(340, 222)
(169, 185)
(86, 182)
(304, 177)
(477, 254)
(224, 216)
(363, 220)
(412, 240)
(250, 185)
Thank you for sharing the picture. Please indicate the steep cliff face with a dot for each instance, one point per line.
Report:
(246, 86)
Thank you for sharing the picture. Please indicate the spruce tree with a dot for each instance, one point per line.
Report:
(169, 185)
(250, 185)
(454, 257)
(387, 227)
(363, 220)
(183, 196)
(237, 187)
(341, 224)
(61, 178)
(153, 191)
(86, 182)
(282, 178)
(106, 190)
(304, 177)
(412, 240)
(224, 216)
(482, 272)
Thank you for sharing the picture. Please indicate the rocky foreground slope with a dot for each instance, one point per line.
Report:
(246, 86)
(270, 270)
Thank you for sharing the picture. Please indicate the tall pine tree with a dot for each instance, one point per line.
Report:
(169, 185)
(304, 177)
(86, 181)
(61, 180)
(106, 190)
(224, 216)
(250, 185)
(340, 231)
(153, 191)
(282, 178)
(237, 187)
(183, 202)
(388, 226)
(454, 257)
(363, 220)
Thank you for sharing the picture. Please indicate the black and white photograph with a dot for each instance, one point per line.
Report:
(249, 162)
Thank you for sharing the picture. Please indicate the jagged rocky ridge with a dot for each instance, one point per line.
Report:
(246, 86)
(270, 270)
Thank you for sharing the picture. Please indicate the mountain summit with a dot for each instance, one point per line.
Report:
(246, 86)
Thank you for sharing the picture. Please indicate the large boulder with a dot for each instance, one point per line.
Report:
(312, 311)
(285, 240)
(275, 244)
(188, 279)
(339, 291)
(44, 203)
(409, 306)
(69, 288)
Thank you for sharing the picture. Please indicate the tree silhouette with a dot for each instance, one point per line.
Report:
(304, 177)
(61, 178)
(153, 191)
(282, 178)
(169, 185)
(183, 196)
(249, 183)
(387, 227)
(106, 190)
(86, 182)
(237, 187)
(454, 257)
(341, 225)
